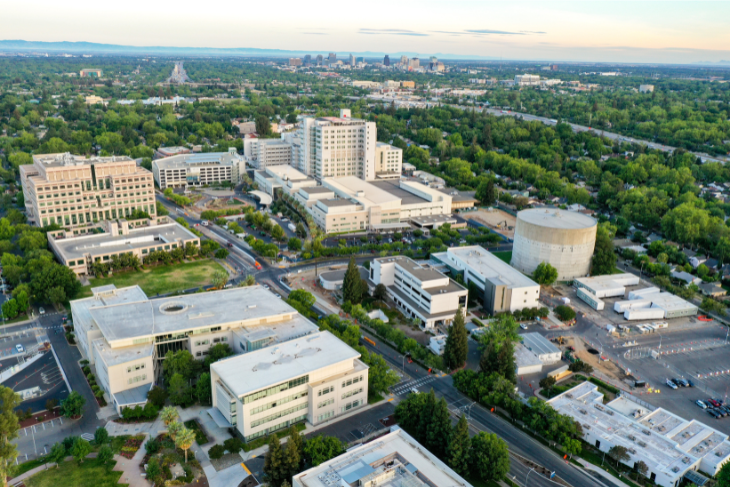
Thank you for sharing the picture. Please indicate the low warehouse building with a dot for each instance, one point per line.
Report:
(333, 280)
(650, 303)
(526, 361)
(541, 347)
(592, 289)
(671, 447)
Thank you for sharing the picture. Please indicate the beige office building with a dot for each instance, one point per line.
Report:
(200, 169)
(75, 191)
(125, 335)
(388, 161)
(261, 153)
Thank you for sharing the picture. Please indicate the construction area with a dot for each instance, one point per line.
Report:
(495, 219)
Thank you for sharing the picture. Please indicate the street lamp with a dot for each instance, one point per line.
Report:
(528, 474)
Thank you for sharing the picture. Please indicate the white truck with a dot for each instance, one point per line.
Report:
(292, 227)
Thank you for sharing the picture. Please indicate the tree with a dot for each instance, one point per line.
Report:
(565, 313)
(57, 454)
(619, 453)
(80, 449)
(157, 396)
(293, 453)
(263, 125)
(580, 366)
(10, 309)
(154, 470)
(277, 233)
(351, 285)
(179, 390)
(222, 254)
(217, 352)
(249, 281)
(572, 446)
(105, 455)
(547, 383)
(73, 405)
(604, 258)
(498, 358)
(438, 430)
(9, 427)
(169, 415)
(380, 375)
(545, 274)
(294, 244)
(184, 439)
(220, 278)
(101, 435)
(380, 292)
(181, 362)
(174, 428)
(489, 458)
(203, 389)
(301, 231)
(319, 449)
(457, 342)
(486, 193)
(642, 468)
(457, 453)
(274, 463)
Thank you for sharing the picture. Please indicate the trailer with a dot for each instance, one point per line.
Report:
(644, 314)
(621, 306)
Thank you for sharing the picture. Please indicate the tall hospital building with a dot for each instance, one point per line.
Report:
(76, 191)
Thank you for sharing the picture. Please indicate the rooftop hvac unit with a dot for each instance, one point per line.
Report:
(685, 460)
(646, 432)
(641, 443)
(569, 395)
(675, 469)
(632, 451)
(583, 411)
(632, 438)
(719, 454)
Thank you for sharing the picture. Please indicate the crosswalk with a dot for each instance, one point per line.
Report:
(87, 436)
(405, 387)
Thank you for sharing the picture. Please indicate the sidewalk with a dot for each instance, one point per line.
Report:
(610, 478)
(131, 472)
(20, 478)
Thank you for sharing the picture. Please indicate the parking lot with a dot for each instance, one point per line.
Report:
(40, 381)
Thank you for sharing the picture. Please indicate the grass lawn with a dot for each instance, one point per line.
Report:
(162, 279)
(505, 256)
(71, 474)
(29, 465)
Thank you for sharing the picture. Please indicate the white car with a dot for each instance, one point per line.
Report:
(523, 326)
(19, 348)
(671, 384)
(701, 404)
(266, 286)
(277, 295)
(42, 311)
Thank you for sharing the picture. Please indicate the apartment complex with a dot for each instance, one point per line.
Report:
(125, 335)
(503, 288)
(136, 237)
(388, 161)
(261, 153)
(527, 79)
(335, 147)
(199, 169)
(314, 378)
(420, 291)
(90, 73)
(391, 460)
(282, 178)
(374, 205)
(75, 191)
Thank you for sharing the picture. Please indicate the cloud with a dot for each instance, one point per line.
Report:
(483, 32)
(532, 32)
(315, 33)
(488, 31)
(395, 32)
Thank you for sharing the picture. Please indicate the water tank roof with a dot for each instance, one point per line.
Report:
(556, 218)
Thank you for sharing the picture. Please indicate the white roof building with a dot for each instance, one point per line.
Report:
(283, 177)
(669, 445)
(392, 460)
(545, 351)
(314, 378)
(504, 287)
(198, 169)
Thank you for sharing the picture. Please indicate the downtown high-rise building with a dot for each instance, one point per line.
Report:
(332, 58)
(352, 60)
(307, 59)
(386, 60)
(320, 59)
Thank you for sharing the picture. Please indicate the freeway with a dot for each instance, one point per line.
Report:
(583, 128)
(480, 419)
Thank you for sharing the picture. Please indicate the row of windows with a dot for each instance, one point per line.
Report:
(279, 402)
(135, 367)
(350, 405)
(351, 393)
(276, 389)
(326, 390)
(277, 427)
(325, 403)
(279, 414)
(138, 378)
(351, 381)
(326, 415)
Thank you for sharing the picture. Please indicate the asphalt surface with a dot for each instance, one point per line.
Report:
(46, 376)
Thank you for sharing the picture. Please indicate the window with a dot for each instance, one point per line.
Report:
(325, 403)
(326, 415)
(276, 389)
(326, 390)
(351, 393)
(350, 405)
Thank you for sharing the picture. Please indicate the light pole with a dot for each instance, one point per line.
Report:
(528, 474)
(403, 365)
(660, 340)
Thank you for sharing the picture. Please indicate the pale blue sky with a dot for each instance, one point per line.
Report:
(622, 31)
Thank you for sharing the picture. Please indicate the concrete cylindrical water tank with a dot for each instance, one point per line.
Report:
(564, 239)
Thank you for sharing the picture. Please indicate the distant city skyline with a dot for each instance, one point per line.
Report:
(607, 31)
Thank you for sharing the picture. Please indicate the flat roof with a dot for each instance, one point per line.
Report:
(68, 159)
(333, 202)
(372, 462)
(394, 188)
(362, 191)
(316, 190)
(137, 238)
(552, 218)
(669, 302)
(538, 344)
(409, 265)
(610, 281)
(152, 317)
(250, 372)
(489, 266)
(186, 160)
(287, 172)
(524, 357)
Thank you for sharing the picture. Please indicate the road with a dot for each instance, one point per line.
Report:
(583, 128)
(480, 419)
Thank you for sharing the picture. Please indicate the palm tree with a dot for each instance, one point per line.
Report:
(184, 439)
(174, 429)
(169, 415)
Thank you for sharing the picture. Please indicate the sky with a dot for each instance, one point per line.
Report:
(599, 31)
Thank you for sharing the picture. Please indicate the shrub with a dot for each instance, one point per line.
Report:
(233, 445)
(152, 446)
(87, 370)
(216, 452)
(565, 313)
(84, 362)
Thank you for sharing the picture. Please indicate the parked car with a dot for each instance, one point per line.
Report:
(691, 384)
(671, 384)
(523, 326)
(712, 413)
(266, 286)
(713, 402)
(726, 409)
(19, 348)
(681, 382)
(720, 412)
(701, 404)
(277, 295)
(41, 311)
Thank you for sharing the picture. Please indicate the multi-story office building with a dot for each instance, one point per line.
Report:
(332, 58)
(527, 79)
(320, 60)
(90, 73)
(314, 378)
(307, 59)
(335, 147)
(282, 178)
(503, 287)
(386, 60)
(198, 169)
(125, 335)
(295, 61)
(388, 160)
(377, 205)
(391, 460)
(136, 237)
(75, 191)
(421, 292)
(261, 153)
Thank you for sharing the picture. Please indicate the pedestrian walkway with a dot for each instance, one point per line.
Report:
(130, 468)
(405, 387)
(607, 476)
(21, 478)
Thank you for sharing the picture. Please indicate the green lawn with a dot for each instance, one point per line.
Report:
(162, 279)
(505, 256)
(71, 474)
